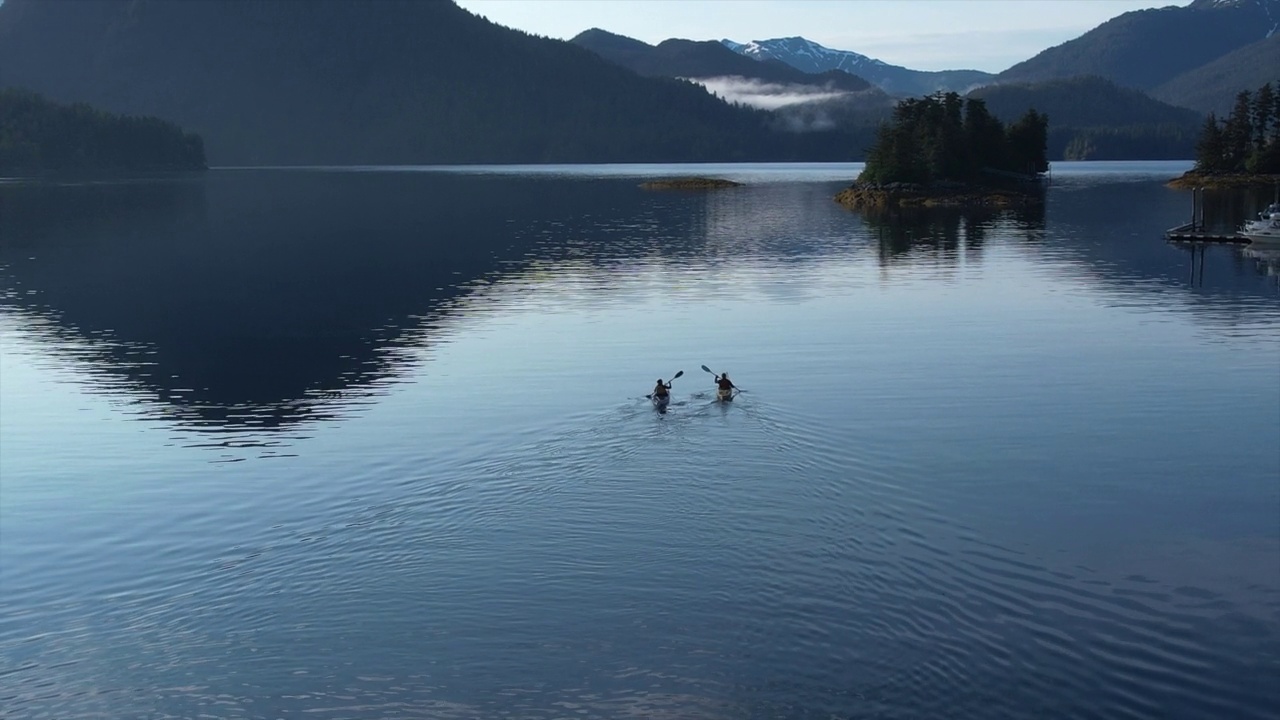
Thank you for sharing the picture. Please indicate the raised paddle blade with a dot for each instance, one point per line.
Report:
(704, 367)
(673, 377)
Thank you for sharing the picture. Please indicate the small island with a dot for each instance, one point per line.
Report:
(1242, 151)
(689, 183)
(942, 150)
(39, 136)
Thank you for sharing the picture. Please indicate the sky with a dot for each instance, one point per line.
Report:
(989, 35)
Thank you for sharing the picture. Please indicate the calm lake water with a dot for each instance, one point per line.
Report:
(373, 443)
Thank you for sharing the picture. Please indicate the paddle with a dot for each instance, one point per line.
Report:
(735, 387)
(673, 377)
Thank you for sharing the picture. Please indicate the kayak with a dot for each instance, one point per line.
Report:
(724, 394)
(661, 401)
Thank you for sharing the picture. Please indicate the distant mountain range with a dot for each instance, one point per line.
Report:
(1092, 118)
(1198, 56)
(829, 97)
(810, 57)
(382, 81)
(1213, 87)
(708, 58)
(413, 81)
(1164, 49)
(1137, 85)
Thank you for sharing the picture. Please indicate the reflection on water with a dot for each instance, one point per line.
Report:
(256, 299)
(393, 457)
(950, 234)
(252, 299)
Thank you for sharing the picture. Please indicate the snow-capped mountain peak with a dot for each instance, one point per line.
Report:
(802, 54)
(810, 57)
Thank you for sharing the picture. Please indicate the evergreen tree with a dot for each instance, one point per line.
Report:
(1264, 104)
(37, 135)
(1248, 141)
(1211, 148)
(942, 137)
(984, 136)
(1238, 133)
(1028, 138)
(1275, 119)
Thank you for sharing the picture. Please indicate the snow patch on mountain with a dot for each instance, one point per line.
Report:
(813, 58)
(803, 54)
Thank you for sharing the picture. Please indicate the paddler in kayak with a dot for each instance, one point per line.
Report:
(660, 390)
(725, 386)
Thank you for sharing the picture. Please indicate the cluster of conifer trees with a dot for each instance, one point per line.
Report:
(945, 137)
(1248, 141)
(38, 135)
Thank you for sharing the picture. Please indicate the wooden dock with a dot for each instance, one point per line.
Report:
(1194, 231)
(1191, 232)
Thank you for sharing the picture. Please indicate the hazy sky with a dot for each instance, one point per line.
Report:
(985, 35)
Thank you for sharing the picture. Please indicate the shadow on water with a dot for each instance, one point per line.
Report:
(1109, 229)
(906, 235)
(255, 298)
(260, 299)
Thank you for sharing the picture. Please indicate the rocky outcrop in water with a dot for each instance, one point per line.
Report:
(689, 183)
(941, 194)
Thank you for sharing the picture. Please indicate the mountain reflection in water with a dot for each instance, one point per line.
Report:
(373, 442)
(260, 299)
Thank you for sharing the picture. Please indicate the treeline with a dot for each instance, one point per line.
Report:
(340, 82)
(1131, 142)
(38, 135)
(1248, 141)
(945, 137)
(1095, 119)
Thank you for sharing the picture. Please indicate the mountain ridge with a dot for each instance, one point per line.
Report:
(1092, 118)
(331, 82)
(1212, 87)
(678, 57)
(811, 57)
(1146, 48)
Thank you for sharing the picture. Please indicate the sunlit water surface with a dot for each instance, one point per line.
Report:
(373, 442)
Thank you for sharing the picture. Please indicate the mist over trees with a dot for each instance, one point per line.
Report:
(946, 137)
(288, 82)
(39, 135)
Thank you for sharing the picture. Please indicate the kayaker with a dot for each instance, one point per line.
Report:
(661, 389)
(722, 381)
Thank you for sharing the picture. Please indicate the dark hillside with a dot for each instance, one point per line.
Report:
(1083, 101)
(374, 81)
(694, 59)
(38, 136)
(1094, 119)
(1145, 48)
(1212, 88)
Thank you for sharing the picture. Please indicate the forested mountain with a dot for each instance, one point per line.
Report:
(37, 135)
(1083, 101)
(810, 57)
(1213, 87)
(375, 81)
(1146, 48)
(703, 59)
(1091, 118)
(797, 101)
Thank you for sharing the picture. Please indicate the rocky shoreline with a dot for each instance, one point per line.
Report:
(1222, 181)
(689, 183)
(944, 194)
